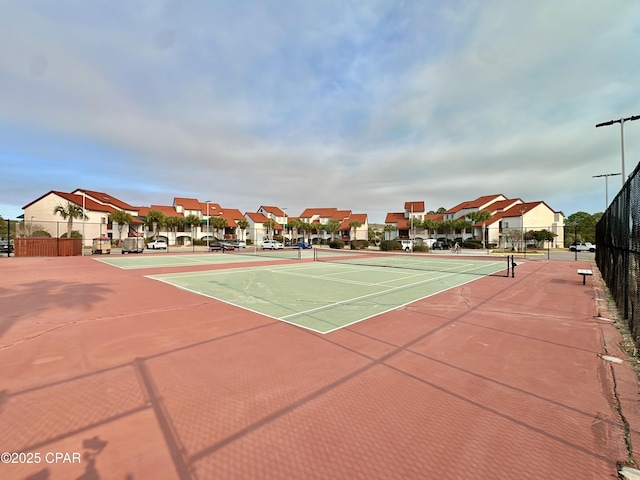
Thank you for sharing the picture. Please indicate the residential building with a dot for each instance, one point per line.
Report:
(319, 218)
(258, 229)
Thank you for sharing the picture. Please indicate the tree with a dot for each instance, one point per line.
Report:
(243, 225)
(430, 224)
(70, 212)
(269, 225)
(194, 222)
(512, 235)
(332, 227)
(121, 218)
(218, 223)
(413, 224)
(306, 228)
(481, 216)
(172, 223)
(295, 224)
(387, 229)
(155, 218)
(581, 227)
(355, 224)
(540, 236)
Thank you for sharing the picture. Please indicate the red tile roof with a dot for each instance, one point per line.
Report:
(273, 210)
(355, 217)
(76, 199)
(321, 212)
(187, 203)
(102, 197)
(214, 208)
(168, 210)
(399, 219)
(417, 206)
(260, 219)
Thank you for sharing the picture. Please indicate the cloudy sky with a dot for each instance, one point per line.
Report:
(360, 105)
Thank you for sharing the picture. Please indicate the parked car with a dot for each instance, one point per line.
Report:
(301, 245)
(6, 247)
(157, 244)
(221, 246)
(582, 247)
(271, 245)
(437, 245)
(240, 244)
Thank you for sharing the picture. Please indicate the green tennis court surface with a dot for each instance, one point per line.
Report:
(327, 296)
(159, 260)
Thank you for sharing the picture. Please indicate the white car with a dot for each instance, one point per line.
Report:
(271, 245)
(582, 247)
(157, 244)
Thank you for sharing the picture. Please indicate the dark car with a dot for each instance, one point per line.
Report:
(437, 246)
(301, 245)
(221, 247)
(6, 247)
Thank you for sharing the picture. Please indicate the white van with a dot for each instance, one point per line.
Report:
(407, 245)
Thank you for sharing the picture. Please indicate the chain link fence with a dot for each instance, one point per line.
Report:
(618, 252)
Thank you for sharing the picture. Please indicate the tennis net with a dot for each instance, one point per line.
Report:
(415, 261)
(286, 253)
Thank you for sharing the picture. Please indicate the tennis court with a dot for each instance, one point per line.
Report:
(337, 290)
(158, 260)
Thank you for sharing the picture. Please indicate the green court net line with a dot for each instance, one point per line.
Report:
(287, 253)
(412, 261)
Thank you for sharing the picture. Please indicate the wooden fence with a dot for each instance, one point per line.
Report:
(47, 247)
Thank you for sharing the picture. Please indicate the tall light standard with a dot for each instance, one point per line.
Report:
(606, 186)
(208, 202)
(621, 122)
(524, 244)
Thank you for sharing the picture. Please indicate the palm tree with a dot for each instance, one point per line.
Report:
(430, 224)
(172, 224)
(243, 225)
(480, 216)
(387, 229)
(217, 223)
(269, 225)
(193, 221)
(306, 228)
(413, 224)
(155, 218)
(70, 212)
(355, 224)
(332, 227)
(121, 218)
(295, 224)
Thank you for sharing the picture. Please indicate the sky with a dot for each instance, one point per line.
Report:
(358, 105)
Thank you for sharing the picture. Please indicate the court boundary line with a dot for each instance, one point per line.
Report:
(288, 266)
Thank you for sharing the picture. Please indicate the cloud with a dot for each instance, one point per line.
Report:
(357, 105)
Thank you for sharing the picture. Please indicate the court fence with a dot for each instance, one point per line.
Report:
(618, 252)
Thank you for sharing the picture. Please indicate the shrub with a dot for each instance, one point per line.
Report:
(471, 243)
(74, 234)
(388, 245)
(359, 244)
(336, 244)
(420, 247)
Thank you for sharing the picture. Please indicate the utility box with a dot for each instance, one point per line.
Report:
(101, 245)
(133, 245)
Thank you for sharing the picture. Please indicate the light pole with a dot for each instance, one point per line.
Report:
(606, 186)
(208, 202)
(621, 122)
(524, 244)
